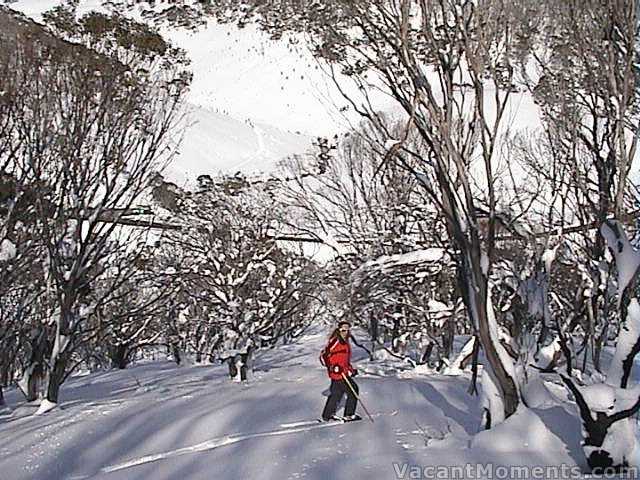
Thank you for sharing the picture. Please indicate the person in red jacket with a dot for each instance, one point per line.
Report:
(336, 356)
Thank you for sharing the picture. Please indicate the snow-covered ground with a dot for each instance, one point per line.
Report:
(156, 420)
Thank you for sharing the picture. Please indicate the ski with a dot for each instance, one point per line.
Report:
(316, 421)
(305, 423)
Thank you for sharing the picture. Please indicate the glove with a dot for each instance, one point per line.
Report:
(354, 372)
(336, 369)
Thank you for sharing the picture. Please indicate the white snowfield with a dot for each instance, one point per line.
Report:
(214, 142)
(253, 102)
(159, 421)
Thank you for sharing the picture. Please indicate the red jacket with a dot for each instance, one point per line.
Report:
(338, 352)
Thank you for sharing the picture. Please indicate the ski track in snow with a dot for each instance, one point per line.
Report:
(262, 152)
(209, 445)
(286, 429)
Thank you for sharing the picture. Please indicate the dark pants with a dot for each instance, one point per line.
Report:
(337, 389)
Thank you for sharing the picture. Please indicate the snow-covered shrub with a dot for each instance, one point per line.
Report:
(238, 289)
(606, 408)
(405, 295)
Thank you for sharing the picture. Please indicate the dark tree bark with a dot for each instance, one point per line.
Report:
(56, 377)
(596, 430)
(120, 356)
(426, 356)
(175, 351)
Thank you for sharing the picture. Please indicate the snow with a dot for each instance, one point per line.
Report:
(536, 393)
(7, 250)
(524, 430)
(600, 397)
(548, 258)
(627, 258)
(247, 75)
(60, 343)
(215, 143)
(455, 367)
(609, 399)
(484, 263)
(492, 402)
(620, 442)
(546, 354)
(627, 338)
(156, 420)
(438, 307)
(253, 101)
(417, 257)
(496, 334)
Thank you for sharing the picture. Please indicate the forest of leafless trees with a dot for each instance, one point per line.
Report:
(443, 220)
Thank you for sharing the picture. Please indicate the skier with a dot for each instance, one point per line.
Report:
(336, 356)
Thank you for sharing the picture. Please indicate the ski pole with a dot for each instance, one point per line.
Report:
(356, 395)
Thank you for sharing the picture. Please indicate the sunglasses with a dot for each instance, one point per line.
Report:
(344, 329)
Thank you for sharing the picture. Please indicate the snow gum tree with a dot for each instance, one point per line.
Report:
(19, 245)
(130, 317)
(94, 116)
(364, 212)
(451, 66)
(238, 289)
(606, 408)
(584, 77)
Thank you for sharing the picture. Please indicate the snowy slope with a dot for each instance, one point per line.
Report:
(242, 76)
(159, 421)
(253, 101)
(214, 142)
(248, 76)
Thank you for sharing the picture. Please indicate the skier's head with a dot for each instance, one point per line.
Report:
(343, 329)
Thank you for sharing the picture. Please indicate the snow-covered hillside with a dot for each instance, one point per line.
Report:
(253, 101)
(156, 420)
(214, 142)
(245, 75)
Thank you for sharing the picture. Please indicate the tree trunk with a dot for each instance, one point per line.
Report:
(56, 376)
(233, 370)
(243, 366)
(35, 384)
(426, 356)
(597, 425)
(31, 382)
(373, 327)
(175, 350)
(4, 380)
(120, 355)
(476, 294)
(448, 338)
(395, 333)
